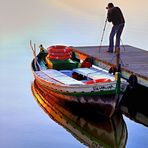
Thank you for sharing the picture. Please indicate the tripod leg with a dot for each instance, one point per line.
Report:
(121, 62)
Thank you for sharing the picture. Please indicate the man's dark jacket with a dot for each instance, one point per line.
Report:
(115, 16)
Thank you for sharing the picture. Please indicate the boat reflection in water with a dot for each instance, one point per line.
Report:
(91, 130)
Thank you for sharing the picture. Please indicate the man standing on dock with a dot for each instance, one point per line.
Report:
(115, 16)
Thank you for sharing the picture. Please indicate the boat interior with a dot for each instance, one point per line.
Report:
(71, 71)
(76, 76)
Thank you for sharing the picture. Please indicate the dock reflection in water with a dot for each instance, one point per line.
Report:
(92, 130)
(134, 104)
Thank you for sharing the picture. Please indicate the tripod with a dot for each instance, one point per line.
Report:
(102, 35)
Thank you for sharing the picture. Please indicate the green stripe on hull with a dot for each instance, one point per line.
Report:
(108, 92)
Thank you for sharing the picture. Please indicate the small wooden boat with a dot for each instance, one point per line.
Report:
(90, 129)
(59, 71)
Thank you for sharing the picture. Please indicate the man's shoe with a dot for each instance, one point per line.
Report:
(110, 51)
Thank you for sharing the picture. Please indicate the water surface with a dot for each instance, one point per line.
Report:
(22, 122)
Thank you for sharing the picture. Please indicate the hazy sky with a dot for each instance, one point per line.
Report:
(20, 14)
(20, 17)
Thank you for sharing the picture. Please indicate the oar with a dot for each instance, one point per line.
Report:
(35, 57)
(34, 52)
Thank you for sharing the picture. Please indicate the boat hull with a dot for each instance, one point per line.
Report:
(103, 104)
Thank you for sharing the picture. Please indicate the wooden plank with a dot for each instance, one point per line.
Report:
(94, 74)
(133, 60)
(57, 76)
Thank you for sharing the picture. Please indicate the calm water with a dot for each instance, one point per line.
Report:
(23, 123)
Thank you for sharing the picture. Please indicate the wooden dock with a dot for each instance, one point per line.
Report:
(133, 60)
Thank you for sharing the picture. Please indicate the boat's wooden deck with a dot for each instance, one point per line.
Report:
(55, 76)
(94, 74)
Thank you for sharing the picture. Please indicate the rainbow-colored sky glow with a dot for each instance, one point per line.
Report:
(78, 18)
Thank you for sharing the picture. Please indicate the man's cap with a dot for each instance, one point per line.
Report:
(110, 5)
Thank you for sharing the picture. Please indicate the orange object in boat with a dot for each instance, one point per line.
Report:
(59, 52)
(86, 64)
(59, 48)
(49, 63)
(103, 80)
(64, 57)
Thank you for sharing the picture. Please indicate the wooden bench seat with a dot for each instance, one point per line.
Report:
(93, 73)
(53, 75)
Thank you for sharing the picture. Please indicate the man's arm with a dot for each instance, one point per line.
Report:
(109, 17)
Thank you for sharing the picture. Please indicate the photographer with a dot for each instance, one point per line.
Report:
(115, 16)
